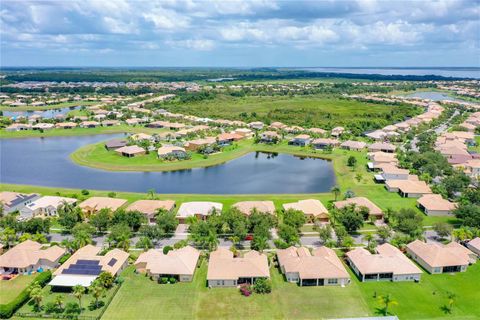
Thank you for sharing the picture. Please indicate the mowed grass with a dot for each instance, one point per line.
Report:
(427, 299)
(10, 289)
(316, 110)
(78, 131)
(140, 297)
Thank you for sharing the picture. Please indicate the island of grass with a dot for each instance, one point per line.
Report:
(319, 110)
(48, 107)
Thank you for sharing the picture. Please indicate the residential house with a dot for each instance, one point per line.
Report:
(115, 144)
(179, 264)
(247, 207)
(198, 209)
(43, 126)
(13, 201)
(391, 172)
(18, 127)
(225, 270)
(382, 147)
(256, 125)
(353, 145)
(94, 204)
(322, 143)
(89, 124)
(130, 151)
(388, 264)
(437, 258)
(322, 268)
(317, 131)
(86, 264)
(435, 205)
(30, 256)
(474, 246)
(270, 137)
(337, 131)
(110, 123)
(141, 137)
(408, 188)
(66, 125)
(300, 140)
(313, 209)
(44, 206)
(374, 210)
(378, 158)
(194, 145)
(150, 207)
(245, 132)
(167, 151)
(228, 138)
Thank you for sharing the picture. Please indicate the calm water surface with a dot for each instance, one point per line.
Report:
(45, 161)
(433, 95)
(46, 114)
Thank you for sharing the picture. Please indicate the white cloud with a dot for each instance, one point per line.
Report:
(194, 44)
(166, 19)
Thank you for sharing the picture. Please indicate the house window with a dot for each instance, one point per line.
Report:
(332, 281)
(219, 282)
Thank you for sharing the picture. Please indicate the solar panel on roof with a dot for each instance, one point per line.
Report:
(112, 262)
(87, 262)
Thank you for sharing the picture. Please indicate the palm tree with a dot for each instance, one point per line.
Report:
(336, 191)
(35, 293)
(387, 301)
(212, 241)
(78, 292)
(8, 237)
(59, 301)
(97, 291)
(369, 238)
(151, 193)
(451, 300)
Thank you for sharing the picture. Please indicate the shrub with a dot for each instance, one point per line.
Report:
(163, 280)
(262, 286)
(64, 258)
(85, 192)
(172, 280)
(112, 194)
(8, 309)
(166, 249)
(106, 279)
(72, 308)
(280, 244)
(245, 290)
(50, 307)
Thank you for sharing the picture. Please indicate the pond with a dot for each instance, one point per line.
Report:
(46, 114)
(45, 161)
(433, 95)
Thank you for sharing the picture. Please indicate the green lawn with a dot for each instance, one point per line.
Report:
(424, 300)
(10, 289)
(316, 110)
(87, 301)
(78, 131)
(48, 107)
(141, 297)
(477, 147)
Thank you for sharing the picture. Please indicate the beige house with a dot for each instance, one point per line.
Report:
(198, 209)
(474, 246)
(437, 258)
(408, 188)
(130, 151)
(382, 147)
(194, 145)
(167, 151)
(12, 201)
(374, 210)
(247, 207)
(322, 268)
(435, 205)
(353, 145)
(179, 264)
(313, 209)
(95, 204)
(44, 206)
(225, 270)
(86, 264)
(29, 256)
(388, 264)
(150, 207)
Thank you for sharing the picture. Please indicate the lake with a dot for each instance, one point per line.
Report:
(433, 95)
(472, 72)
(46, 114)
(45, 161)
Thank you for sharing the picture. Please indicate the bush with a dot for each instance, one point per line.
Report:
(172, 280)
(246, 290)
(85, 192)
(280, 244)
(50, 307)
(72, 308)
(64, 258)
(262, 286)
(111, 194)
(163, 280)
(8, 309)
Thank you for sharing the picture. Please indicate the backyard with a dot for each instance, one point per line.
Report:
(10, 289)
(424, 300)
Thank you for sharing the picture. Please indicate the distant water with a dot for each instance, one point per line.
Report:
(45, 114)
(472, 72)
(432, 95)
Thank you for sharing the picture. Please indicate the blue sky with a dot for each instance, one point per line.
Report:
(240, 33)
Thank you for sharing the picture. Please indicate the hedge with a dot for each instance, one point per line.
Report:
(8, 309)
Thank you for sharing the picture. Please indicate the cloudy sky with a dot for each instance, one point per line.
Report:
(240, 33)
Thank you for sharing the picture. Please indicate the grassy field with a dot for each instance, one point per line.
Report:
(195, 301)
(48, 107)
(78, 131)
(141, 296)
(87, 301)
(10, 289)
(323, 111)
